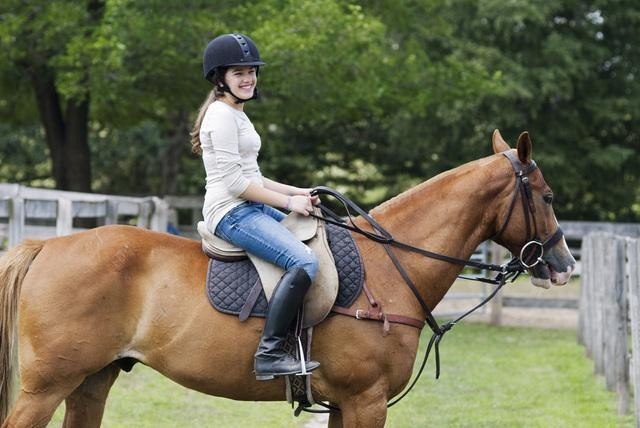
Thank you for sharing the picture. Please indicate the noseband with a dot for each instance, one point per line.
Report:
(523, 188)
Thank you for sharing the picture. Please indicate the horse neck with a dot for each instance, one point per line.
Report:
(449, 214)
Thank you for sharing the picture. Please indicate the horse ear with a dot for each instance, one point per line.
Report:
(498, 143)
(524, 147)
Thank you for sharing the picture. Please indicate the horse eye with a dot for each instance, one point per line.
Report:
(548, 198)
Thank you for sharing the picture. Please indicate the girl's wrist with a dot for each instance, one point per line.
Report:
(288, 206)
(294, 191)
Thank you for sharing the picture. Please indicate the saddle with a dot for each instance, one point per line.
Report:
(324, 289)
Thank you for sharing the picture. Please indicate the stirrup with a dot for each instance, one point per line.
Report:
(301, 370)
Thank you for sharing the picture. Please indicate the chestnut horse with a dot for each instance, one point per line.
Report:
(77, 307)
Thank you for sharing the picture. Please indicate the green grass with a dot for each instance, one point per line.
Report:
(491, 377)
(510, 377)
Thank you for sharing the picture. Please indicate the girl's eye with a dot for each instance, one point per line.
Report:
(548, 198)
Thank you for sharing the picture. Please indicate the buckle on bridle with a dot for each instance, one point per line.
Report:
(358, 316)
(538, 259)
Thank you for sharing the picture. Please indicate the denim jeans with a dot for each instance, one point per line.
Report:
(256, 229)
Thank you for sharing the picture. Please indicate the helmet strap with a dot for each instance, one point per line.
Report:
(238, 100)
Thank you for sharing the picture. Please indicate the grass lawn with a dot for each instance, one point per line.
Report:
(491, 377)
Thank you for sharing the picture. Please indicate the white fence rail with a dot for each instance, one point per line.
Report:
(37, 213)
(609, 313)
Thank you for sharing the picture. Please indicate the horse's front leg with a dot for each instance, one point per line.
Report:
(364, 410)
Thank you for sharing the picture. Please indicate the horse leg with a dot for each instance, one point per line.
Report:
(85, 406)
(335, 420)
(35, 406)
(360, 412)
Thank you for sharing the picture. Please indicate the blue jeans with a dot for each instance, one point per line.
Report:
(256, 229)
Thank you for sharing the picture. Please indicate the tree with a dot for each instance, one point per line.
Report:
(566, 71)
(368, 96)
(94, 66)
(34, 33)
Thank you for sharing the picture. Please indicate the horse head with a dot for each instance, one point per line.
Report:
(526, 224)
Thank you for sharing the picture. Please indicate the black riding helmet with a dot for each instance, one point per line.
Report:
(226, 51)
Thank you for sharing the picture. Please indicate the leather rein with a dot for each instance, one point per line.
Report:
(507, 271)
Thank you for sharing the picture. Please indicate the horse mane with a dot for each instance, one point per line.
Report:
(443, 179)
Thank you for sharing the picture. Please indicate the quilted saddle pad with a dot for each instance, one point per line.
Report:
(230, 284)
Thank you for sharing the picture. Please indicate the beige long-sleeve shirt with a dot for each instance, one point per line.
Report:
(230, 147)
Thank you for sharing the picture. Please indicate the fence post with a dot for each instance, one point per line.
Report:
(160, 215)
(111, 216)
(617, 343)
(633, 278)
(144, 213)
(496, 302)
(16, 220)
(64, 221)
(584, 306)
(598, 302)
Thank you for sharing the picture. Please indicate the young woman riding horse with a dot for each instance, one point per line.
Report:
(85, 306)
(239, 201)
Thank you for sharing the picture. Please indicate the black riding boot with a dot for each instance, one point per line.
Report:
(270, 359)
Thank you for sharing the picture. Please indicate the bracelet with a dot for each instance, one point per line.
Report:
(288, 207)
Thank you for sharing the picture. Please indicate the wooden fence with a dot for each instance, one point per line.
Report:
(609, 313)
(30, 212)
(37, 213)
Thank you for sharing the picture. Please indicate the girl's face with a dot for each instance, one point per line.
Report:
(242, 81)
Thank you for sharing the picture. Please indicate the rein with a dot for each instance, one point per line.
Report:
(507, 271)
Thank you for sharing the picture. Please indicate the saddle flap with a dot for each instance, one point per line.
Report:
(303, 227)
(324, 289)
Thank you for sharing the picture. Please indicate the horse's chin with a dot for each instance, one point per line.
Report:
(541, 282)
(544, 277)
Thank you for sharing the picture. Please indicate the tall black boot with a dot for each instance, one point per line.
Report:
(270, 359)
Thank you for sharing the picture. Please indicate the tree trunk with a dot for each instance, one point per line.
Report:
(66, 132)
(77, 156)
(177, 136)
(48, 103)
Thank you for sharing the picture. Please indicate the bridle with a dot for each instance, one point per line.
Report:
(523, 188)
(507, 271)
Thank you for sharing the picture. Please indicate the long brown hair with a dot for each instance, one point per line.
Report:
(216, 92)
(195, 131)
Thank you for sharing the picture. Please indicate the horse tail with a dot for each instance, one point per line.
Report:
(13, 268)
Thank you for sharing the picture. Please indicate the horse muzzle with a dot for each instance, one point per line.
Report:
(554, 267)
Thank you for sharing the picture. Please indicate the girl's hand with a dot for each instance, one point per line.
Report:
(315, 200)
(300, 204)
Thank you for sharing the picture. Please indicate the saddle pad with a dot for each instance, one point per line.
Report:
(229, 284)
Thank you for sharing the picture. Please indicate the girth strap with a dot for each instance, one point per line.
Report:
(375, 313)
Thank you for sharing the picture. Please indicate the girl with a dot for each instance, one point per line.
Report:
(239, 202)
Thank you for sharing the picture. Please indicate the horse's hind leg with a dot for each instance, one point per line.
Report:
(35, 406)
(85, 406)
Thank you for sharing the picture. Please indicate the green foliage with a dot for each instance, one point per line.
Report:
(21, 158)
(371, 97)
